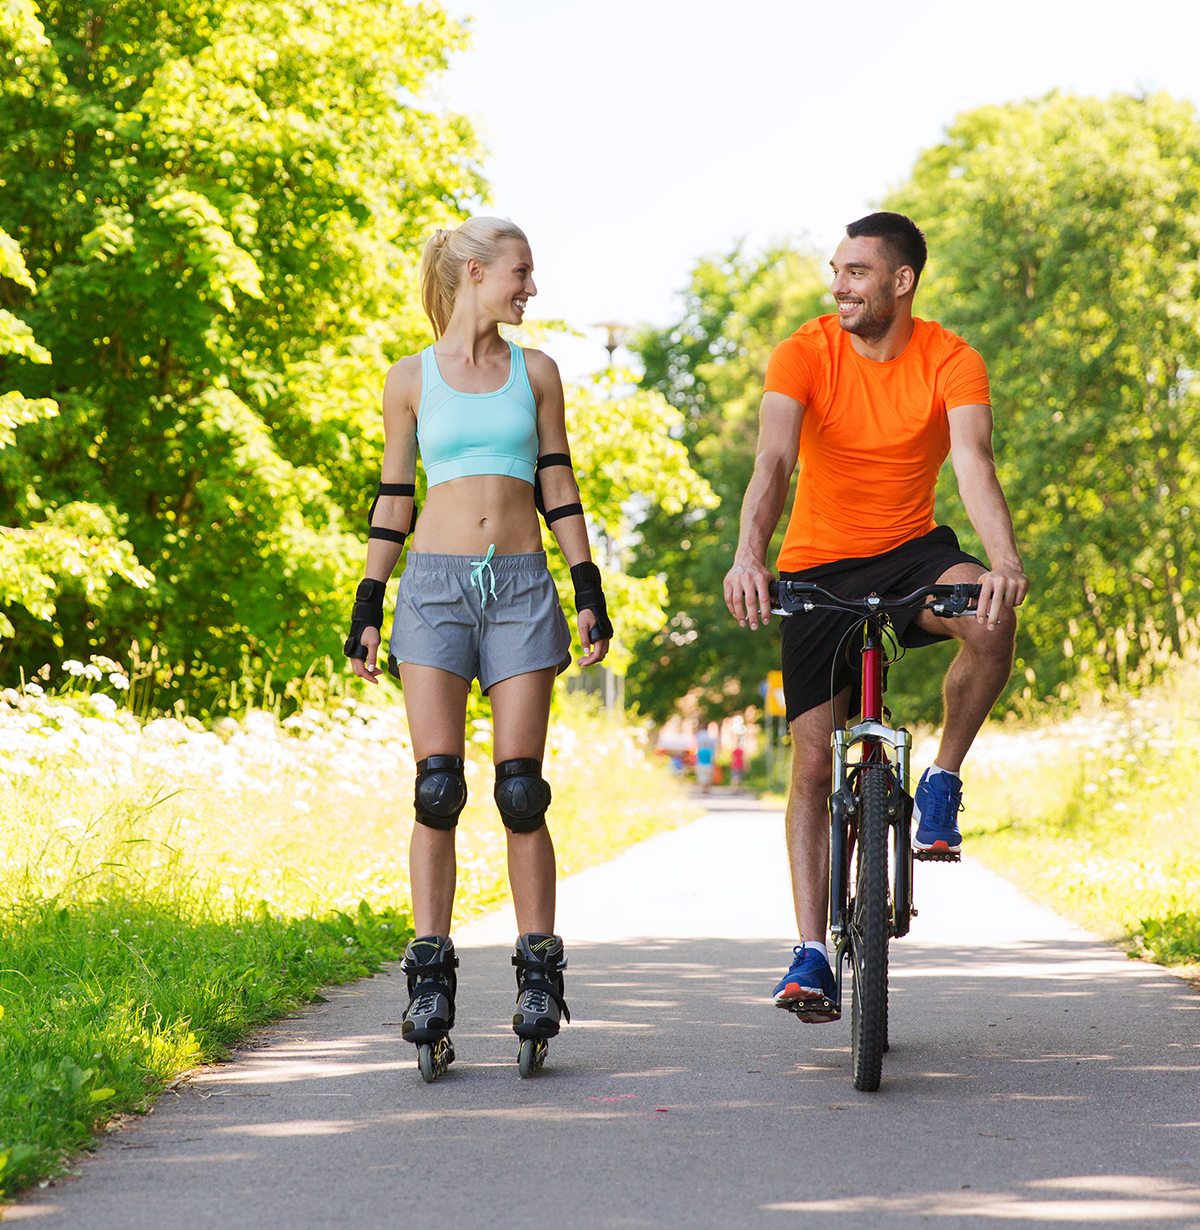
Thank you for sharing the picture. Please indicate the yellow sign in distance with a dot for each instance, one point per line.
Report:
(776, 705)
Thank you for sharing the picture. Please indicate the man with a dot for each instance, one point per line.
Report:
(869, 402)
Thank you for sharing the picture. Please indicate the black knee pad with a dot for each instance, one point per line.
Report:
(441, 791)
(522, 795)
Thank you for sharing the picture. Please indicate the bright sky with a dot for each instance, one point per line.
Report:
(629, 137)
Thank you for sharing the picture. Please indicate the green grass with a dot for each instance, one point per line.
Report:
(105, 1002)
(169, 886)
(1096, 816)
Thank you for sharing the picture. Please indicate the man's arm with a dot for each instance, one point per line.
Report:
(779, 419)
(975, 469)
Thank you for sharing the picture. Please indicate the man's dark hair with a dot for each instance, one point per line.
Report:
(904, 238)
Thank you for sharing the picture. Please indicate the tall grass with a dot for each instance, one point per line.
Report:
(1096, 815)
(166, 886)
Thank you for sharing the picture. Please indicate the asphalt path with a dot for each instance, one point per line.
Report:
(1035, 1077)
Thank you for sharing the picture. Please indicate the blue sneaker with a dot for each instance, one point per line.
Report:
(935, 809)
(809, 988)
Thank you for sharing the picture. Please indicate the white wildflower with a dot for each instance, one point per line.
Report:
(72, 667)
(118, 681)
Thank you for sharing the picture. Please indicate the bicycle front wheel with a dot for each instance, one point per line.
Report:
(870, 921)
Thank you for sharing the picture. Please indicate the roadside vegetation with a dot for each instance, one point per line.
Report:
(1095, 815)
(167, 886)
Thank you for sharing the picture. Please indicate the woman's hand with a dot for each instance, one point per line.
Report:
(593, 652)
(367, 669)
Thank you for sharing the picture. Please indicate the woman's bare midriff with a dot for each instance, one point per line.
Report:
(465, 516)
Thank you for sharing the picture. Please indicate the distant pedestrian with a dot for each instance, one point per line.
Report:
(704, 762)
(737, 767)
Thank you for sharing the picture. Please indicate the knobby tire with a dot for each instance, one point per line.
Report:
(869, 927)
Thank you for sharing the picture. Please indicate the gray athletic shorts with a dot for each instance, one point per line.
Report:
(485, 619)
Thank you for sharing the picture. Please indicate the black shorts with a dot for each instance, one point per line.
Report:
(813, 669)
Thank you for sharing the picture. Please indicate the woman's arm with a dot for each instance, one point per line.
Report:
(392, 515)
(560, 495)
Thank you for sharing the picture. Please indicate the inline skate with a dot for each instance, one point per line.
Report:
(429, 962)
(540, 962)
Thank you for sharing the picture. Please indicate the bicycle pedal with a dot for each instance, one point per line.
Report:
(937, 856)
(815, 1011)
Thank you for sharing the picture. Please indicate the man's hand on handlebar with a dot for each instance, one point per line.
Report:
(746, 593)
(1001, 587)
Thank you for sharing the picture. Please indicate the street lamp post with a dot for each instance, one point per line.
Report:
(616, 332)
(616, 335)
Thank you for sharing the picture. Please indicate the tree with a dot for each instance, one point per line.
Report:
(1064, 235)
(222, 205)
(76, 547)
(711, 366)
(626, 456)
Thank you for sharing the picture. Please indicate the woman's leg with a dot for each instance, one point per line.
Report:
(436, 703)
(520, 716)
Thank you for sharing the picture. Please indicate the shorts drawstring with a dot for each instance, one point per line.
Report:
(477, 567)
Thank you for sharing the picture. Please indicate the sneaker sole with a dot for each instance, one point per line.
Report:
(939, 843)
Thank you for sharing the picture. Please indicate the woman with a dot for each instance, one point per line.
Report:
(476, 601)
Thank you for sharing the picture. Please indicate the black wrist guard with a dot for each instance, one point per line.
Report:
(367, 613)
(589, 596)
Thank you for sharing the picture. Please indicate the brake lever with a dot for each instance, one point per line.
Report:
(958, 603)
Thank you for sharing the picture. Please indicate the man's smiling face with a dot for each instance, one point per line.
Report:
(864, 286)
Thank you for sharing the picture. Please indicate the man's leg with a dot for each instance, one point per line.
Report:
(976, 676)
(808, 987)
(808, 815)
(973, 684)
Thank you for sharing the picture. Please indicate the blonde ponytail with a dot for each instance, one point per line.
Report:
(445, 256)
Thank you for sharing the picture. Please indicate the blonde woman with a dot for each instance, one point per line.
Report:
(476, 602)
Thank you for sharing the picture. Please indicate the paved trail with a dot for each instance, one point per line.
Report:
(1035, 1078)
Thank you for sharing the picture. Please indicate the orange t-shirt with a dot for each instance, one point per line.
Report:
(873, 438)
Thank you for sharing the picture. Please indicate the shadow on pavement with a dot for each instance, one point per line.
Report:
(681, 1097)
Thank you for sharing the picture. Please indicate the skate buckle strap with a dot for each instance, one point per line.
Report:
(428, 967)
(543, 983)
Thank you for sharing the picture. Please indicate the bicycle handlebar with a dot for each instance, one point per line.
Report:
(950, 601)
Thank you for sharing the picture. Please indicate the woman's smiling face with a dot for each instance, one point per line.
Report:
(507, 285)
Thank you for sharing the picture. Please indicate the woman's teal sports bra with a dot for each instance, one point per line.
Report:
(461, 434)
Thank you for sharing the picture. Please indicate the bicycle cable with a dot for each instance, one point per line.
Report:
(888, 633)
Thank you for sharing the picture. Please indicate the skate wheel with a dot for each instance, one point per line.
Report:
(531, 1056)
(433, 1058)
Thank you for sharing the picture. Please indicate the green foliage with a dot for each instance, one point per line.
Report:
(16, 337)
(627, 459)
(711, 365)
(1170, 941)
(1094, 815)
(1064, 235)
(102, 1003)
(221, 205)
(76, 547)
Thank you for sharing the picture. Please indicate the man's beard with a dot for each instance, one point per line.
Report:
(873, 321)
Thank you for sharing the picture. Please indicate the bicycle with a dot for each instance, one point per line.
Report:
(870, 799)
